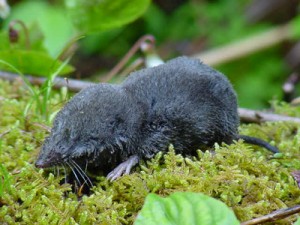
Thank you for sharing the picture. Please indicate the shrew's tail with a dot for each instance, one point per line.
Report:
(259, 142)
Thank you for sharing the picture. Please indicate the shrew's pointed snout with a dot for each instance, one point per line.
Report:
(40, 163)
(49, 159)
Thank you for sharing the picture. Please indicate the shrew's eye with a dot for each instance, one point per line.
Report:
(67, 133)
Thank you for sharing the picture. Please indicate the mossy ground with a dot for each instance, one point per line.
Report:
(249, 179)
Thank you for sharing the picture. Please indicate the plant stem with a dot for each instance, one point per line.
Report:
(128, 55)
(26, 32)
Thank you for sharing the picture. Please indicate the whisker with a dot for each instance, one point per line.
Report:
(82, 173)
(74, 172)
(86, 165)
(78, 171)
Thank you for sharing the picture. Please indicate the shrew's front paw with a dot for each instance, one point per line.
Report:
(123, 168)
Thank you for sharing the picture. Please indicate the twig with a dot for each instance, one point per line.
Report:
(43, 126)
(133, 66)
(73, 85)
(278, 214)
(247, 115)
(247, 46)
(129, 54)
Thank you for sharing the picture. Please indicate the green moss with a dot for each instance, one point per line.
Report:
(247, 178)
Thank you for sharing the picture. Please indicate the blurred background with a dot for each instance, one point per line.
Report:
(269, 71)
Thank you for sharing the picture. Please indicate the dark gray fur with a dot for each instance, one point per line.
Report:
(182, 102)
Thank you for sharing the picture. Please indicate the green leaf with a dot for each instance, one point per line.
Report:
(92, 16)
(52, 20)
(32, 62)
(4, 41)
(185, 209)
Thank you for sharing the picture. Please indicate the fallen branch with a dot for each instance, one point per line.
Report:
(276, 215)
(247, 46)
(248, 115)
(72, 84)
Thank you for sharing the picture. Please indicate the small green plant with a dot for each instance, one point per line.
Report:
(4, 180)
(40, 95)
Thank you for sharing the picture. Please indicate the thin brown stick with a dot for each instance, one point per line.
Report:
(247, 46)
(248, 115)
(73, 85)
(43, 126)
(129, 54)
(276, 215)
(133, 66)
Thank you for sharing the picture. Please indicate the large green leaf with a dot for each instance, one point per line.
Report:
(4, 41)
(94, 15)
(185, 209)
(31, 62)
(52, 20)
